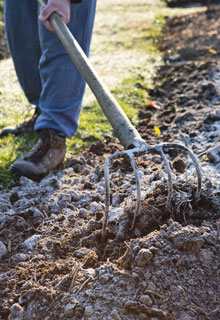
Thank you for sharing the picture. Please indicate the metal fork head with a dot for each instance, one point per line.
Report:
(131, 154)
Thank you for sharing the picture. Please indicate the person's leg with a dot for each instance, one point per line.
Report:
(62, 85)
(61, 95)
(21, 24)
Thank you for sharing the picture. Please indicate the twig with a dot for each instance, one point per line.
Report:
(83, 285)
(9, 246)
(218, 229)
(213, 311)
(153, 293)
(74, 276)
(35, 275)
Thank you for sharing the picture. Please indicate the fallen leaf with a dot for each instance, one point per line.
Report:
(157, 130)
(212, 51)
(151, 104)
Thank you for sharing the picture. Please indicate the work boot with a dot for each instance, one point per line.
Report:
(26, 126)
(46, 155)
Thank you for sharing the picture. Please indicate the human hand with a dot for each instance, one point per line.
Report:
(62, 7)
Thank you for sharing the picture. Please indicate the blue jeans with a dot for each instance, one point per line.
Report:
(46, 74)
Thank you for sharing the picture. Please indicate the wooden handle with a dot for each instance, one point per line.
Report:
(124, 130)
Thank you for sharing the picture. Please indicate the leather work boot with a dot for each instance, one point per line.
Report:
(26, 126)
(46, 155)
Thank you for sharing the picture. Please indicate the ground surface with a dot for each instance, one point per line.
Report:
(53, 262)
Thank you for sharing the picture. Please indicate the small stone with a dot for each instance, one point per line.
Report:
(143, 316)
(206, 256)
(151, 286)
(27, 183)
(94, 207)
(115, 315)
(16, 312)
(104, 278)
(179, 165)
(3, 250)
(19, 257)
(88, 311)
(143, 257)
(146, 300)
(37, 214)
(31, 242)
(69, 310)
(185, 316)
(213, 154)
(82, 213)
(74, 196)
(116, 199)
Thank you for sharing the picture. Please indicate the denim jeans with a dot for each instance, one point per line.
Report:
(46, 74)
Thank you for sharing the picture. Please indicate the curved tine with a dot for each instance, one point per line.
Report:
(169, 176)
(107, 196)
(138, 186)
(195, 162)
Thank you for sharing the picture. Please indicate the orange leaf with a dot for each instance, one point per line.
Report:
(212, 51)
(151, 104)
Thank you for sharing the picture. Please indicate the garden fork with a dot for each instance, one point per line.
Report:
(127, 134)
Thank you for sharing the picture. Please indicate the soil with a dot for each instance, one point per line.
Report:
(55, 263)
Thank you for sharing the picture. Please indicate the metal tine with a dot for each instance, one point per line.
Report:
(107, 196)
(169, 177)
(108, 162)
(138, 151)
(138, 188)
(195, 162)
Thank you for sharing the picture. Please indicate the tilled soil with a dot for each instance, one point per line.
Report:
(55, 263)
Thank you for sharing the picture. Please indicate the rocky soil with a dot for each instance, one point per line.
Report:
(54, 262)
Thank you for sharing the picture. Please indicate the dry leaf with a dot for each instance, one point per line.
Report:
(212, 51)
(151, 104)
(157, 130)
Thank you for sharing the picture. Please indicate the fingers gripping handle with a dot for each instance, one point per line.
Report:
(124, 130)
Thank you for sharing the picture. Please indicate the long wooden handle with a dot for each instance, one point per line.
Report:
(124, 130)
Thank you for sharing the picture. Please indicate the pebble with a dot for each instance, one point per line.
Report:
(146, 300)
(213, 154)
(206, 256)
(104, 278)
(115, 215)
(94, 207)
(143, 316)
(16, 312)
(74, 196)
(116, 200)
(30, 243)
(115, 315)
(88, 311)
(37, 213)
(3, 250)
(19, 257)
(185, 316)
(143, 257)
(69, 310)
(82, 213)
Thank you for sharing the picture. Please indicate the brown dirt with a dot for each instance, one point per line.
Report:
(53, 262)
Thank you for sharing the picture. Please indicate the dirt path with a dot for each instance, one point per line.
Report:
(53, 263)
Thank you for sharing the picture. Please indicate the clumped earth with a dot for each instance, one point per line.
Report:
(54, 262)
